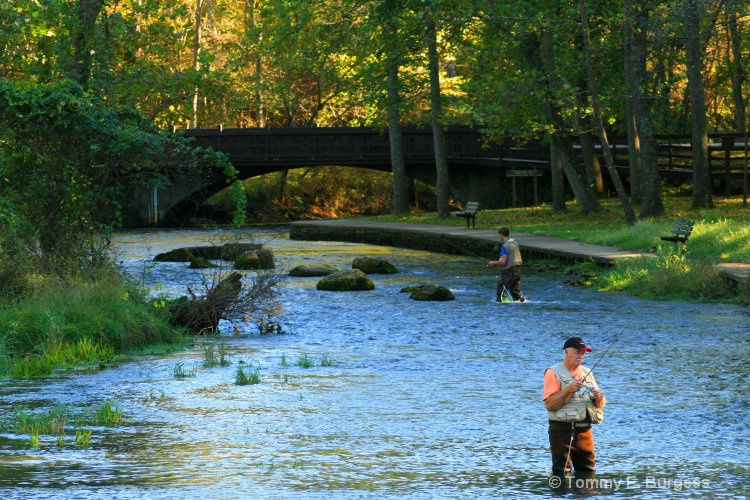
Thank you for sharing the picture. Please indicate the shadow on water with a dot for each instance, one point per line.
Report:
(421, 400)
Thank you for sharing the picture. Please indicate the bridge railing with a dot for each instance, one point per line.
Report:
(275, 148)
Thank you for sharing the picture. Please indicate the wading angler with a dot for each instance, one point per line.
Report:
(574, 401)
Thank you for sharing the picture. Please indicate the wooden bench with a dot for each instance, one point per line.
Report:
(469, 213)
(681, 230)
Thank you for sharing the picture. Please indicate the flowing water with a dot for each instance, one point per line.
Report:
(422, 400)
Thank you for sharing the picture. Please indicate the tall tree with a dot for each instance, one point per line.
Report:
(84, 35)
(559, 137)
(634, 144)
(436, 111)
(642, 142)
(389, 36)
(692, 10)
(597, 112)
(395, 140)
(739, 74)
(255, 34)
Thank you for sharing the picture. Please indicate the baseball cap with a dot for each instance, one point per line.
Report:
(576, 342)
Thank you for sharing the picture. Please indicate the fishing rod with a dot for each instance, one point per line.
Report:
(466, 251)
(591, 370)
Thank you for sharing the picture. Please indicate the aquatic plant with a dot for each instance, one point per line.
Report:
(242, 377)
(108, 414)
(83, 436)
(209, 355)
(179, 371)
(55, 420)
(305, 361)
(223, 354)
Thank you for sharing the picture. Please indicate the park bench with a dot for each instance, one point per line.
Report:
(469, 213)
(681, 230)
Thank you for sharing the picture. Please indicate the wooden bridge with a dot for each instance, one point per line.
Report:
(496, 175)
(261, 151)
(477, 171)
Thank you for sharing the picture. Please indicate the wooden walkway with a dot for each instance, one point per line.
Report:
(477, 242)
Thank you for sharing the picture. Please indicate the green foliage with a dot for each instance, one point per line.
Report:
(108, 414)
(67, 159)
(83, 436)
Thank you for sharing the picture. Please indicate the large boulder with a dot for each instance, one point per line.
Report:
(312, 270)
(228, 251)
(346, 280)
(201, 263)
(370, 265)
(430, 292)
(260, 258)
(176, 255)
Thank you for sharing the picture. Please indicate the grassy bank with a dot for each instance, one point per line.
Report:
(85, 325)
(720, 235)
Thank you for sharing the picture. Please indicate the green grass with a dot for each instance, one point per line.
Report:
(108, 414)
(81, 325)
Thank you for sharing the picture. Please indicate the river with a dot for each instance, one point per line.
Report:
(419, 400)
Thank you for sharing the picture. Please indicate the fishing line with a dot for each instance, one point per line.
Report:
(591, 370)
(469, 252)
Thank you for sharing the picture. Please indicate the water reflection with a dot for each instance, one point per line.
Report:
(424, 400)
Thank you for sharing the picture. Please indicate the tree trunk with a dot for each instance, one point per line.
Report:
(398, 167)
(558, 181)
(590, 159)
(260, 114)
(594, 93)
(88, 12)
(637, 20)
(398, 164)
(696, 95)
(441, 161)
(202, 314)
(574, 171)
(738, 74)
(631, 120)
(196, 56)
(591, 162)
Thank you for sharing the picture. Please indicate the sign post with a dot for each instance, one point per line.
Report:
(527, 172)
